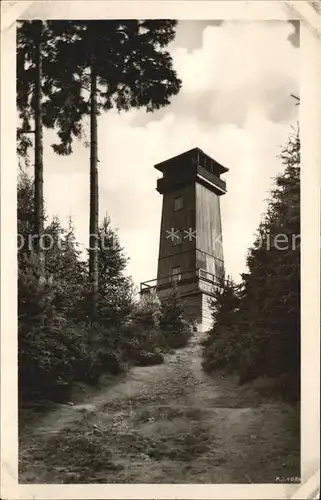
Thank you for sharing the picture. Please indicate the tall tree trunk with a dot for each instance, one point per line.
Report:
(39, 209)
(94, 199)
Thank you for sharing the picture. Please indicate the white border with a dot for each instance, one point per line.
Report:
(310, 123)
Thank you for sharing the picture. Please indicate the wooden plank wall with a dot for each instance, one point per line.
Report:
(209, 255)
(207, 320)
(201, 211)
(193, 308)
(182, 255)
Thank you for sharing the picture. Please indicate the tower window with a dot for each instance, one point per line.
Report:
(177, 240)
(178, 203)
(176, 273)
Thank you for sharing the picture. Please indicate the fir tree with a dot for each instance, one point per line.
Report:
(115, 289)
(25, 216)
(257, 332)
(35, 52)
(67, 272)
(142, 331)
(121, 64)
(220, 345)
(147, 312)
(172, 323)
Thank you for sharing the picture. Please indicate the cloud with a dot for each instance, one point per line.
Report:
(240, 65)
(235, 104)
(236, 54)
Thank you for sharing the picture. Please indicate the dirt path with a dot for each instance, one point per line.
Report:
(164, 424)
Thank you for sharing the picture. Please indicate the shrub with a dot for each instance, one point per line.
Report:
(43, 354)
(149, 358)
(256, 329)
(285, 387)
(175, 330)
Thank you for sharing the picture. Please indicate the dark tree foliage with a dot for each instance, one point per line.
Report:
(49, 344)
(67, 70)
(115, 297)
(220, 345)
(175, 329)
(142, 332)
(66, 272)
(27, 35)
(257, 325)
(131, 63)
(35, 52)
(88, 67)
(25, 215)
(58, 343)
(99, 65)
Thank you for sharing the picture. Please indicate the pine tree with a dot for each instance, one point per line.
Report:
(53, 243)
(172, 323)
(49, 341)
(35, 49)
(115, 289)
(68, 274)
(225, 301)
(25, 215)
(272, 285)
(147, 313)
(220, 346)
(121, 64)
(257, 332)
(142, 334)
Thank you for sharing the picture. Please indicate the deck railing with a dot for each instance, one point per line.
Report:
(179, 278)
(166, 183)
(220, 183)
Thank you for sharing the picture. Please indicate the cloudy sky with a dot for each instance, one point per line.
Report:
(235, 104)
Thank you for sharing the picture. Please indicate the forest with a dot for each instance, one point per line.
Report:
(114, 386)
(256, 331)
(79, 318)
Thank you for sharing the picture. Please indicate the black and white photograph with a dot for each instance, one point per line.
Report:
(158, 198)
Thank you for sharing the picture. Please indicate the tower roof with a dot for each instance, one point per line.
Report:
(196, 156)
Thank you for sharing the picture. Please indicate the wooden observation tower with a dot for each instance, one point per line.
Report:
(190, 248)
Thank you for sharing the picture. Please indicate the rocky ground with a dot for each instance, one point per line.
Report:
(169, 423)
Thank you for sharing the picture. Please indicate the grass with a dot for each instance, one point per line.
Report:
(166, 424)
(283, 388)
(77, 456)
